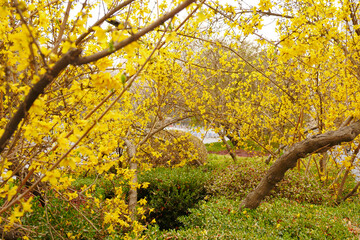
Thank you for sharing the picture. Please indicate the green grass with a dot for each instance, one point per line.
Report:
(220, 146)
(216, 146)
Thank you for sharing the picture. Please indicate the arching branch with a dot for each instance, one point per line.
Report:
(34, 93)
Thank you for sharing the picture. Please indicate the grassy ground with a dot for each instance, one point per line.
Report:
(298, 208)
(220, 218)
(219, 146)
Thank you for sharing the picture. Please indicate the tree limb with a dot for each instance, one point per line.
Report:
(34, 93)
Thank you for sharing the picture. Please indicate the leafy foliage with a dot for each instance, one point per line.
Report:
(59, 219)
(236, 181)
(171, 192)
(298, 208)
(174, 148)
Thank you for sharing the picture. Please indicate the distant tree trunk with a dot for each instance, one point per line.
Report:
(232, 140)
(133, 192)
(228, 147)
(323, 162)
(314, 144)
(131, 149)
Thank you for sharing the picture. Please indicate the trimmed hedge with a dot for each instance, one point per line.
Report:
(172, 191)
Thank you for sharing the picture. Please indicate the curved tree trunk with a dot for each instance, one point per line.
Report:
(314, 144)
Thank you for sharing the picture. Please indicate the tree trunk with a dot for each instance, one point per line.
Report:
(131, 149)
(133, 192)
(228, 147)
(323, 162)
(314, 144)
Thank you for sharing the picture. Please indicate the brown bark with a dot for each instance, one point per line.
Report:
(314, 144)
(228, 147)
(131, 149)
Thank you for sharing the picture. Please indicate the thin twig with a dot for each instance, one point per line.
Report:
(62, 27)
(101, 20)
(78, 210)
(16, 4)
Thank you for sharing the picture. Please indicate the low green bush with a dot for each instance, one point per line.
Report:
(237, 180)
(234, 181)
(220, 146)
(174, 147)
(59, 219)
(172, 191)
(104, 188)
(216, 146)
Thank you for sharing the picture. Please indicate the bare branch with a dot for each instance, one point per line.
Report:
(62, 27)
(268, 13)
(272, 80)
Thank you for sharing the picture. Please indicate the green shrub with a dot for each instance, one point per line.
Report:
(59, 220)
(104, 187)
(216, 146)
(236, 181)
(172, 192)
(296, 186)
(220, 146)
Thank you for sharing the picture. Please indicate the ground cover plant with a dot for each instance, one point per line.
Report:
(220, 218)
(171, 192)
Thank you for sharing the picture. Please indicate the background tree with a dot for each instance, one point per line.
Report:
(306, 85)
(312, 80)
